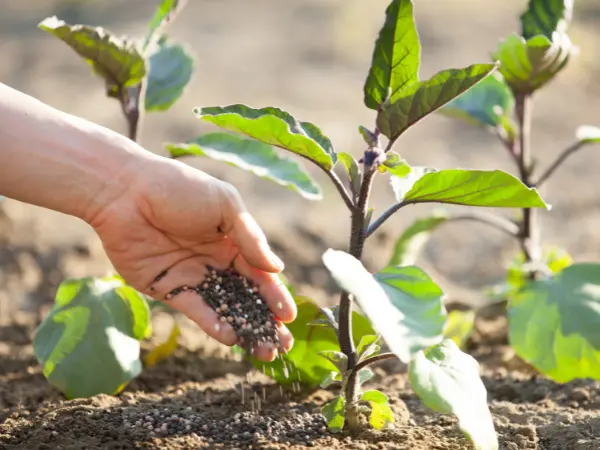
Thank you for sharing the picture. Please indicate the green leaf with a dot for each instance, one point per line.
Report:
(401, 185)
(303, 363)
(252, 156)
(588, 133)
(409, 244)
(170, 71)
(554, 323)
(367, 346)
(527, 65)
(370, 138)
(460, 326)
(334, 413)
(165, 13)
(89, 342)
(546, 17)
(403, 303)
(329, 379)
(368, 217)
(419, 99)
(117, 61)
(488, 103)
(353, 171)
(395, 165)
(275, 127)
(338, 359)
(447, 381)
(493, 188)
(381, 413)
(364, 375)
(396, 57)
(163, 350)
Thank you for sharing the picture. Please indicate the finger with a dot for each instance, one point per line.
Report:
(268, 353)
(191, 272)
(271, 288)
(241, 227)
(252, 244)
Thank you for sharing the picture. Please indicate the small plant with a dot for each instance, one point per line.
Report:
(403, 307)
(553, 305)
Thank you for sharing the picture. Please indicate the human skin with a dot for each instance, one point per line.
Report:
(152, 214)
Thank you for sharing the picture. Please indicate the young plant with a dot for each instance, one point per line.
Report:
(104, 316)
(553, 304)
(403, 306)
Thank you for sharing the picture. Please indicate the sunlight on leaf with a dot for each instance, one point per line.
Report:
(116, 60)
(588, 133)
(492, 188)
(353, 170)
(381, 412)
(546, 17)
(396, 57)
(409, 105)
(554, 323)
(252, 156)
(447, 381)
(395, 165)
(165, 13)
(275, 127)
(99, 321)
(405, 306)
(460, 326)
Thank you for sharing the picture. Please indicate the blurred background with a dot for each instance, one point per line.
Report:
(309, 57)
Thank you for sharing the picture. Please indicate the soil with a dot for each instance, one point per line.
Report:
(309, 57)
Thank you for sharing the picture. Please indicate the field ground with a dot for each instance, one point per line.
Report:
(310, 58)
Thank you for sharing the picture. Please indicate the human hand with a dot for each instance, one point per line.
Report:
(175, 218)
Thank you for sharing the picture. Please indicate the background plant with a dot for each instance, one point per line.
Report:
(403, 306)
(552, 303)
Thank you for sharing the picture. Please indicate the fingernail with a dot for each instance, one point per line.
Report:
(276, 261)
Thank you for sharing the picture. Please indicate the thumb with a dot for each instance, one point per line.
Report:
(247, 234)
(253, 245)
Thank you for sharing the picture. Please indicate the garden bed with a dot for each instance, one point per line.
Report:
(193, 400)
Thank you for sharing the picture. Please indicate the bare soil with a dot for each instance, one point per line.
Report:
(309, 57)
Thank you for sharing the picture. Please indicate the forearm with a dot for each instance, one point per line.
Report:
(58, 161)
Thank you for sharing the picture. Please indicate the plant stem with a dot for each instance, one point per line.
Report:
(357, 241)
(341, 189)
(131, 99)
(556, 164)
(529, 236)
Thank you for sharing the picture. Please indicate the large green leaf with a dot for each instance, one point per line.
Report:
(403, 303)
(489, 103)
(303, 363)
(165, 13)
(89, 342)
(170, 70)
(527, 65)
(396, 57)
(493, 188)
(546, 17)
(409, 244)
(414, 293)
(253, 156)
(588, 134)
(554, 324)
(275, 127)
(116, 60)
(415, 101)
(447, 381)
